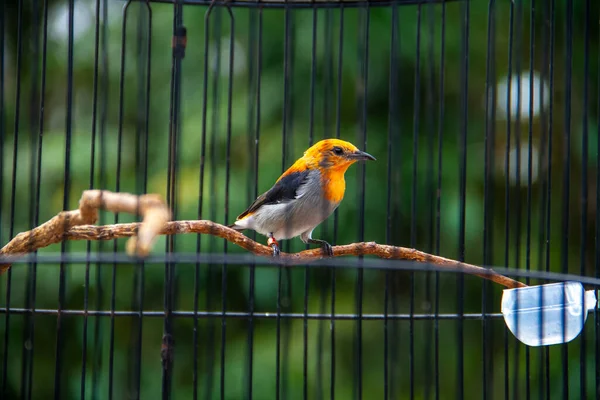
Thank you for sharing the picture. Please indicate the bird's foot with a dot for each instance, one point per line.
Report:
(274, 245)
(327, 249)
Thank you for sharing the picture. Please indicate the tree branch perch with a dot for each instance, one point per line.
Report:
(77, 225)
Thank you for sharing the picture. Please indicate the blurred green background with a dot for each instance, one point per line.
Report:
(404, 93)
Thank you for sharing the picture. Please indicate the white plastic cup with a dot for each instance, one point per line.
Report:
(547, 314)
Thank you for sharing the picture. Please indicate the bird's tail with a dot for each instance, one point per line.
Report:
(236, 227)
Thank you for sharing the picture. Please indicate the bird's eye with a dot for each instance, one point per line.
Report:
(338, 151)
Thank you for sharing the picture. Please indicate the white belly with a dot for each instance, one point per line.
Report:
(288, 220)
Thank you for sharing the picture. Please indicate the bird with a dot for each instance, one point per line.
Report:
(306, 194)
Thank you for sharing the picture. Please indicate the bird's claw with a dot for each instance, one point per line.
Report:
(276, 250)
(327, 249)
(274, 245)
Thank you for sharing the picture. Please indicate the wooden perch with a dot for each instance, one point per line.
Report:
(77, 225)
(151, 207)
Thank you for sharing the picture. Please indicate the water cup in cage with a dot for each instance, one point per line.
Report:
(547, 314)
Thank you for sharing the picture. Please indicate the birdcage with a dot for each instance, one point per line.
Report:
(166, 119)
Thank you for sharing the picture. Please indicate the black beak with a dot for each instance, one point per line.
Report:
(361, 155)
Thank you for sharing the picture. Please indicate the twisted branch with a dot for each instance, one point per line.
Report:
(76, 225)
(150, 206)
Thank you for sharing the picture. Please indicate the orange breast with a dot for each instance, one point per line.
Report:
(334, 186)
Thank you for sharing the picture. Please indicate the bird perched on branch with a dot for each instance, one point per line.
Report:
(304, 195)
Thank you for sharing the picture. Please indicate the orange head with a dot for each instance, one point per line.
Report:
(334, 155)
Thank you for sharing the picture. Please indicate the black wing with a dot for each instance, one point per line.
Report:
(284, 190)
